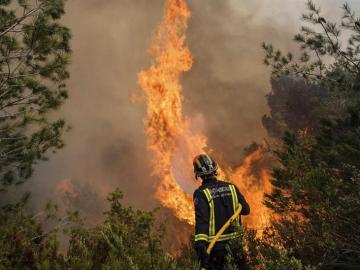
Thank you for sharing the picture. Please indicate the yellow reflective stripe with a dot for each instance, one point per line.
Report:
(225, 237)
(236, 197)
(212, 212)
(235, 202)
(237, 205)
(233, 197)
(209, 159)
(228, 236)
(199, 237)
(208, 196)
(198, 163)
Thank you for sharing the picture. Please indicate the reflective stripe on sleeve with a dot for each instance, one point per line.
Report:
(224, 237)
(201, 237)
(228, 236)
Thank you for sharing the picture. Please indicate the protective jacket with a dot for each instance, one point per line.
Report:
(215, 202)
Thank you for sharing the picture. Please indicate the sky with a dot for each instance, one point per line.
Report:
(106, 147)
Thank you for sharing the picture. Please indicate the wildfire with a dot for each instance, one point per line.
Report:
(66, 188)
(169, 133)
(253, 186)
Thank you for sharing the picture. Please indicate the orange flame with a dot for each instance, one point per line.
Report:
(66, 188)
(170, 135)
(253, 186)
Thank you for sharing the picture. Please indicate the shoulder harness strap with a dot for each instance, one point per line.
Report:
(212, 212)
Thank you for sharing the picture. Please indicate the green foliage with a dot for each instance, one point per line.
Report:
(23, 242)
(317, 187)
(34, 55)
(187, 258)
(322, 82)
(280, 260)
(294, 106)
(261, 253)
(317, 46)
(316, 195)
(323, 60)
(127, 239)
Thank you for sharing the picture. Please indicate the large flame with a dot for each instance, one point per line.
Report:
(169, 133)
(254, 186)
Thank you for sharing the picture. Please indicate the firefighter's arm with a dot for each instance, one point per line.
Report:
(202, 217)
(245, 206)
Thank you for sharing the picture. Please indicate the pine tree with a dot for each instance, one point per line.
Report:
(34, 55)
(317, 187)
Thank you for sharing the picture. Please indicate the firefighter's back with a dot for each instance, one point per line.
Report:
(223, 202)
(215, 202)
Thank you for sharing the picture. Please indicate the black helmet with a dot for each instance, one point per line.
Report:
(204, 165)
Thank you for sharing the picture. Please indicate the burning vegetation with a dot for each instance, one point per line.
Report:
(170, 136)
(314, 120)
(66, 189)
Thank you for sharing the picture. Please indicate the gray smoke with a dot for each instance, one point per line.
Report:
(227, 85)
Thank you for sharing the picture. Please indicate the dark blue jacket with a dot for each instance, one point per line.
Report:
(215, 202)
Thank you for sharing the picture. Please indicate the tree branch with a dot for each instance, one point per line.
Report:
(19, 20)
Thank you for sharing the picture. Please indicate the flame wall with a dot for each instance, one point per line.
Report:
(224, 92)
(168, 131)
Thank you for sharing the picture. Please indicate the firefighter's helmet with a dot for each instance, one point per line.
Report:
(204, 165)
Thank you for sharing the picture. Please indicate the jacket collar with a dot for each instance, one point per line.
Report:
(208, 181)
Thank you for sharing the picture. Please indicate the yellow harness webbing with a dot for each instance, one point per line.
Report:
(223, 228)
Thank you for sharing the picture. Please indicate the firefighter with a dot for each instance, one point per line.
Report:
(215, 202)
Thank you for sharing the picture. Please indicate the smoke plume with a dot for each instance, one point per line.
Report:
(226, 87)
